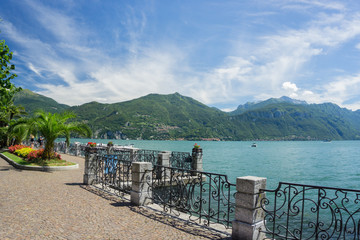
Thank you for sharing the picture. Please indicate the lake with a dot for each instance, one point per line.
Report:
(330, 164)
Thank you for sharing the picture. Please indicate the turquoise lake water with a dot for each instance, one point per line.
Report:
(330, 164)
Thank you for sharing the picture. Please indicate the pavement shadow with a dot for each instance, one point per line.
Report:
(73, 184)
(180, 224)
(116, 201)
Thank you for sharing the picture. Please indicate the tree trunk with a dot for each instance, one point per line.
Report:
(48, 151)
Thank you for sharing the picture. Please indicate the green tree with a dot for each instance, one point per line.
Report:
(7, 91)
(51, 126)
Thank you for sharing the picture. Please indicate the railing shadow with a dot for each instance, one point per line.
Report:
(180, 224)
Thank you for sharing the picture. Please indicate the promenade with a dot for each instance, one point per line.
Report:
(55, 205)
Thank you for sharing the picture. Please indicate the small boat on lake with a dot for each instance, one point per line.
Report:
(253, 145)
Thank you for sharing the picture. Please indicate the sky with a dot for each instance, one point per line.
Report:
(222, 53)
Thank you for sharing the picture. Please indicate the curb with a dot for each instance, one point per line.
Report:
(39, 168)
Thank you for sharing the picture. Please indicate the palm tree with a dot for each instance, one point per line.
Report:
(8, 117)
(17, 133)
(51, 126)
(14, 114)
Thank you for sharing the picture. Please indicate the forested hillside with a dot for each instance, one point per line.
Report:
(175, 116)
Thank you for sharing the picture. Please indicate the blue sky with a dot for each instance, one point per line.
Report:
(222, 53)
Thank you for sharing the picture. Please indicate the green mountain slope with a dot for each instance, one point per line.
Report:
(155, 117)
(298, 121)
(175, 116)
(32, 101)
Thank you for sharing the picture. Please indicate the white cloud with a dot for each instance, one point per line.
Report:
(290, 86)
(275, 67)
(153, 73)
(325, 4)
(63, 27)
(343, 89)
(32, 68)
(228, 109)
(307, 93)
(271, 66)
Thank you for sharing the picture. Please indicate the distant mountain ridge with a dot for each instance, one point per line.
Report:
(33, 101)
(257, 105)
(174, 116)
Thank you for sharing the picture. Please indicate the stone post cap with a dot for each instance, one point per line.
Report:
(250, 184)
(164, 154)
(168, 152)
(141, 166)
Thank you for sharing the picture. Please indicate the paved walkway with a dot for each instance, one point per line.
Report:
(43, 205)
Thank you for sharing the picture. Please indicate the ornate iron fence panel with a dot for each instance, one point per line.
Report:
(177, 159)
(181, 160)
(142, 155)
(205, 197)
(114, 173)
(60, 147)
(82, 149)
(72, 149)
(295, 211)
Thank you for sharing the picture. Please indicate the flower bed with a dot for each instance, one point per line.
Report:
(36, 156)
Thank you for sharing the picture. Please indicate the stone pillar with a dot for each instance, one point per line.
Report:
(77, 149)
(66, 148)
(197, 159)
(141, 192)
(163, 160)
(133, 155)
(249, 216)
(90, 167)
(110, 149)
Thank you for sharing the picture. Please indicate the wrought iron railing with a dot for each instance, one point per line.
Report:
(180, 160)
(295, 211)
(79, 149)
(60, 147)
(72, 149)
(113, 173)
(143, 155)
(177, 159)
(205, 197)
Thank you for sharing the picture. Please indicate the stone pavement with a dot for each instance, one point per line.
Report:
(55, 205)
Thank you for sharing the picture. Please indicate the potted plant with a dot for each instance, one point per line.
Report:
(109, 148)
(91, 147)
(197, 148)
(91, 144)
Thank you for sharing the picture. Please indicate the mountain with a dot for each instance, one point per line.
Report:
(32, 101)
(174, 116)
(258, 105)
(288, 121)
(155, 116)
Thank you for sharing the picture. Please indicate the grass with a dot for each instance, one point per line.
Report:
(51, 162)
(16, 159)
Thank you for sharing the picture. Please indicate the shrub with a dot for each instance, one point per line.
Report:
(37, 156)
(12, 149)
(23, 152)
